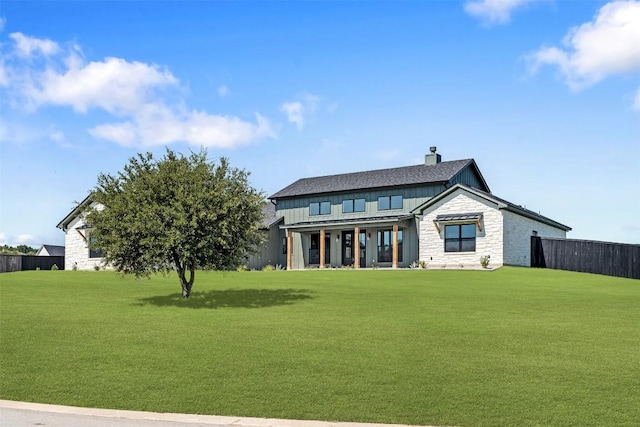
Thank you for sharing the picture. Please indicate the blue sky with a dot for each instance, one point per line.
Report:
(544, 95)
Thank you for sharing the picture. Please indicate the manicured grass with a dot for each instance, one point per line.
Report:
(468, 348)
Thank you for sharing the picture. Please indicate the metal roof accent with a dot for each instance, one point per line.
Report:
(472, 216)
(402, 176)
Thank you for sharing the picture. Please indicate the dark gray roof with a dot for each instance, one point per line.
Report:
(269, 215)
(394, 177)
(53, 250)
(502, 204)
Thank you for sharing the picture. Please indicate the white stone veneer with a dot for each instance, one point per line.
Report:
(76, 246)
(489, 240)
(505, 236)
(517, 237)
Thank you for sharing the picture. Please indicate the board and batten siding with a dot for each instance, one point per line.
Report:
(468, 177)
(296, 210)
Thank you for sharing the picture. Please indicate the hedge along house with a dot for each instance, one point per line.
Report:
(77, 235)
(462, 224)
(364, 219)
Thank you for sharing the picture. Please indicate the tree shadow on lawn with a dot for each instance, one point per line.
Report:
(231, 298)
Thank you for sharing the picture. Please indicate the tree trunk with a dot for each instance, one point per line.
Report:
(182, 270)
(187, 285)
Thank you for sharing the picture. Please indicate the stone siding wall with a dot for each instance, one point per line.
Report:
(517, 237)
(76, 247)
(489, 240)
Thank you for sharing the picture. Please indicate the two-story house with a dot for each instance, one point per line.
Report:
(363, 219)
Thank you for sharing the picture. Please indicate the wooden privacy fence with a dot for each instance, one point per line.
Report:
(588, 256)
(9, 263)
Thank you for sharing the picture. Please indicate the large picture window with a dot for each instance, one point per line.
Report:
(319, 208)
(353, 205)
(385, 245)
(389, 202)
(460, 238)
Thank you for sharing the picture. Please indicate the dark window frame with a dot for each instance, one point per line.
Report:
(319, 208)
(354, 205)
(393, 202)
(385, 250)
(457, 240)
(94, 253)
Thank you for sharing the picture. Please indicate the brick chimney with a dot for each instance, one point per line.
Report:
(433, 158)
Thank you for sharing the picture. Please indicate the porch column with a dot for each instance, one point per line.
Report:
(394, 259)
(322, 248)
(356, 251)
(289, 251)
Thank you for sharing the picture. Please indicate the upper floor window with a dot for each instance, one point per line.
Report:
(319, 208)
(460, 238)
(353, 205)
(389, 202)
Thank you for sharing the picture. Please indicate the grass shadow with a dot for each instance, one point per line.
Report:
(231, 298)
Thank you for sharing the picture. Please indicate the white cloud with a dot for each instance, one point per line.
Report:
(606, 46)
(26, 46)
(162, 127)
(494, 11)
(298, 111)
(113, 85)
(21, 239)
(294, 112)
(138, 94)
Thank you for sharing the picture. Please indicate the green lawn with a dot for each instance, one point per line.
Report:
(510, 347)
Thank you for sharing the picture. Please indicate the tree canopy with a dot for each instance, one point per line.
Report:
(179, 212)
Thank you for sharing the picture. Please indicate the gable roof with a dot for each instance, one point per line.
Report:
(269, 215)
(74, 213)
(502, 204)
(403, 176)
(52, 250)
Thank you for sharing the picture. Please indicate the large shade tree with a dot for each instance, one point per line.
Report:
(177, 213)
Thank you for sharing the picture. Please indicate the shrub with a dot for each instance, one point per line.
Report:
(484, 261)
(241, 268)
(75, 266)
(54, 267)
(268, 267)
(96, 267)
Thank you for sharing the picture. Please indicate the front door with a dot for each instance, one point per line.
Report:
(347, 247)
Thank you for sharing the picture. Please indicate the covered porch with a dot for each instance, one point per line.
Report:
(356, 243)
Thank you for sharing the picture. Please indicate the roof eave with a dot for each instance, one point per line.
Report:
(378, 187)
(74, 213)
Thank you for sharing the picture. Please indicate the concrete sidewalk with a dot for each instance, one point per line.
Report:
(23, 414)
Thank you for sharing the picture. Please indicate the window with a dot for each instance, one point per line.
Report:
(284, 246)
(389, 202)
(460, 238)
(353, 205)
(385, 245)
(319, 208)
(94, 253)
